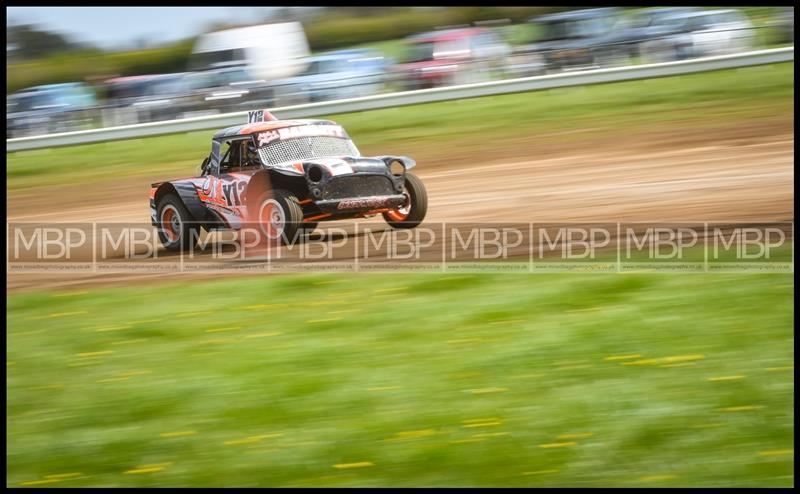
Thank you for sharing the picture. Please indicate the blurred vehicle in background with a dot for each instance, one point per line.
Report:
(150, 98)
(270, 65)
(225, 90)
(336, 75)
(642, 26)
(701, 33)
(574, 39)
(454, 56)
(587, 37)
(144, 98)
(49, 109)
(267, 51)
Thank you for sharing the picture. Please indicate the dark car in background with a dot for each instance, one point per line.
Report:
(159, 97)
(574, 39)
(600, 37)
(49, 109)
(226, 89)
(603, 37)
(143, 98)
(644, 25)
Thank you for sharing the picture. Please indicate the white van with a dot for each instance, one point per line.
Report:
(268, 51)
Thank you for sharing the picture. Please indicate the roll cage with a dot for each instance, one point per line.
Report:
(212, 163)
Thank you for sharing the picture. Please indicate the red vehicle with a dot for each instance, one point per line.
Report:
(285, 176)
(452, 56)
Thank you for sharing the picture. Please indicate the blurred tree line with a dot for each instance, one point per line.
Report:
(24, 41)
(345, 26)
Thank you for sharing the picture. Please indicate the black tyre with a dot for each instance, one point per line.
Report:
(279, 216)
(174, 224)
(413, 211)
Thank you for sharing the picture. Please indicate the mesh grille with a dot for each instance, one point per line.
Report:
(303, 148)
(357, 186)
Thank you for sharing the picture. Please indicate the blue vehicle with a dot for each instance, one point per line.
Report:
(49, 108)
(338, 75)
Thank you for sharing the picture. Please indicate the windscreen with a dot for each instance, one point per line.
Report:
(303, 142)
(304, 148)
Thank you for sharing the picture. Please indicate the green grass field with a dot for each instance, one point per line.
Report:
(674, 102)
(405, 380)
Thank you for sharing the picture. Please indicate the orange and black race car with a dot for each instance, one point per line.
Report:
(285, 176)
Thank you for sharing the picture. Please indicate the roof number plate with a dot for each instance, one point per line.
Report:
(256, 116)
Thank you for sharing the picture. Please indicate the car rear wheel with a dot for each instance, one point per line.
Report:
(174, 225)
(410, 214)
(279, 216)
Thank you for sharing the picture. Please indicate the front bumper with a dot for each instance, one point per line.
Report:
(358, 192)
(360, 204)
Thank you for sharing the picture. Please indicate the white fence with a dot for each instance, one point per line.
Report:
(647, 71)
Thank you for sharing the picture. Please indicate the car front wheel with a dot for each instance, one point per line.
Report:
(279, 216)
(413, 211)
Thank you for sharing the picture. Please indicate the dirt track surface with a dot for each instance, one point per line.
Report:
(742, 173)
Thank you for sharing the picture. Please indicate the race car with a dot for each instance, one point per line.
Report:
(284, 176)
